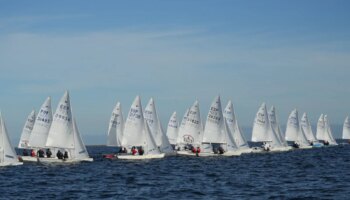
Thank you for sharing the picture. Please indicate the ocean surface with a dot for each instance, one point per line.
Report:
(321, 173)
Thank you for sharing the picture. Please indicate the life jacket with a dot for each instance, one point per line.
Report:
(33, 154)
(198, 150)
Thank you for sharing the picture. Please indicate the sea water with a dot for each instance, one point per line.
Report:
(313, 173)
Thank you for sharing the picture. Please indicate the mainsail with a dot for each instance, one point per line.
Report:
(27, 130)
(154, 124)
(7, 152)
(306, 126)
(42, 125)
(233, 127)
(173, 129)
(61, 134)
(134, 130)
(215, 129)
(116, 126)
(346, 129)
(193, 129)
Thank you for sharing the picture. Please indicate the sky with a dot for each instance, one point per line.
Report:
(290, 54)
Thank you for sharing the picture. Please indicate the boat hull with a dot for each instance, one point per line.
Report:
(232, 153)
(139, 157)
(202, 154)
(4, 164)
(29, 159)
(57, 161)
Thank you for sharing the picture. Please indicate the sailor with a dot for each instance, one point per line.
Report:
(25, 152)
(59, 154)
(48, 153)
(141, 151)
(221, 150)
(215, 150)
(198, 151)
(326, 142)
(32, 153)
(41, 153)
(65, 156)
(296, 144)
(194, 150)
(133, 151)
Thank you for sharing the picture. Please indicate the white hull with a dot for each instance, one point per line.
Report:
(305, 147)
(4, 164)
(29, 159)
(281, 149)
(138, 157)
(245, 150)
(202, 154)
(232, 153)
(57, 161)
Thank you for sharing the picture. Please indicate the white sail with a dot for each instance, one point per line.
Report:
(320, 132)
(134, 130)
(294, 132)
(80, 151)
(306, 126)
(193, 129)
(27, 130)
(293, 127)
(173, 129)
(8, 155)
(154, 124)
(328, 132)
(61, 134)
(151, 117)
(346, 129)
(233, 127)
(151, 146)
(275, 125)
(262, 129)
(116, 126)
(215, 129)
(181, 132)
(260, 126)
(38, 136)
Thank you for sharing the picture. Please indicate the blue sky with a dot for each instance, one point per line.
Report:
(290, 54)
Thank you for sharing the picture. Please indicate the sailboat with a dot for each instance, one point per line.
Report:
(263, 131)
(295, 133)
(306, 126)
(137, 134)
(324, 132)
(173, 129)
(180, 143)
(8, 154)
(40, 131)
(346, 129)
(235, 140)
(153, 121)
(190, 133)
(275, 125)
(116, 126)
(64, 135)
(27, 130)
(328, 132)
